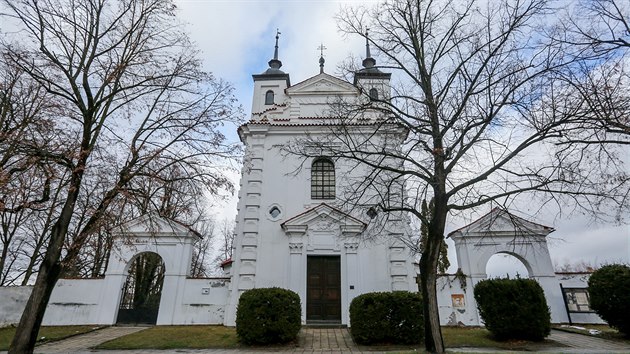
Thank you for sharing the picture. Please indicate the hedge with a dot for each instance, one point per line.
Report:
(387, 317)
(609, 292)
(268, 315)
(513, 308)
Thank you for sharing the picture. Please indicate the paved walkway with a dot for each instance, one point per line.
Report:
(584, 342)
(82, 342)
(318, 340)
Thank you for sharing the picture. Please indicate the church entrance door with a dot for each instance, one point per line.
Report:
(323, 288)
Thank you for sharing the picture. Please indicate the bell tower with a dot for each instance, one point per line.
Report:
(370, 80)
(270, 85)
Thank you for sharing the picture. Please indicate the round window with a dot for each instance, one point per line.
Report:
(274, 212)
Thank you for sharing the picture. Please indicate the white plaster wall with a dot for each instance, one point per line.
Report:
(12, 302)
(263, 257)
(76, 302)
(261, 87)
(203, 302)
(448, 285)
(83, 302)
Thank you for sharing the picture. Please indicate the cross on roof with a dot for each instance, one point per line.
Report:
(321, 57)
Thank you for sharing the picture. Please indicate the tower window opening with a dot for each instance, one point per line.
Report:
(373, 94)
(323, 179)
(269, 97)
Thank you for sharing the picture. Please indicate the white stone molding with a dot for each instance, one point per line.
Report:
(296, 248)
(351, 247)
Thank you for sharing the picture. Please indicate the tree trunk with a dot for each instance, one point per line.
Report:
(428, 276)
(31, 320)
(3, 257)
(429, 261)
(49, 271)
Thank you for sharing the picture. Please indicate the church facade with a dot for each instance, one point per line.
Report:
(294, 229)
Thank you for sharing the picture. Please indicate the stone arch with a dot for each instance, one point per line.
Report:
(150, 233)
(502, 232)
(140, 253)
(515, 256)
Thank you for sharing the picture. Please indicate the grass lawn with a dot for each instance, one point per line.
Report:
(46, 334)
(481, 338)
(606, 331)
(171, 337)
(200, 337)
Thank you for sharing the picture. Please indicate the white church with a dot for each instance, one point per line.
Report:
(293, 231)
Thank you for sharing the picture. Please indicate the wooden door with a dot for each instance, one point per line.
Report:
(323, 287)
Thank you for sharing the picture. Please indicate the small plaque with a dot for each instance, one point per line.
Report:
(458, 300)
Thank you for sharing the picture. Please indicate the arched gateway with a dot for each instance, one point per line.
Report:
(142, 292)
(500, 232)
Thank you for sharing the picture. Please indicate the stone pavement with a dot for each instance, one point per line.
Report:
(584, 342)
(574, 342)
(320, 340)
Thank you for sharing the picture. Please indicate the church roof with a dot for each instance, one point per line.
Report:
(499, 220)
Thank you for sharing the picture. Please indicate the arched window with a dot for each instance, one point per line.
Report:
(269, 97)
(373, 94)
(323, 179)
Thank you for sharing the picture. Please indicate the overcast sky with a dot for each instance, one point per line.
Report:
(237, 39)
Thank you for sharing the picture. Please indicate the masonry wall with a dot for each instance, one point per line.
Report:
(12, 302)
(88, 301)
(76, 302)
(456, 303)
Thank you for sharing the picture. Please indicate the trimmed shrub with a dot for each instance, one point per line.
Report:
(388, 317)
(609, 292)
(268, 315)
(513, 308)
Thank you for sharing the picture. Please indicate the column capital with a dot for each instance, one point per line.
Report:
(351, 247)
(296, 247)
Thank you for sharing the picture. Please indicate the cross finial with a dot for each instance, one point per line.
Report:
(275, 53)
(367, 43)
(321, 49)
(368, 62)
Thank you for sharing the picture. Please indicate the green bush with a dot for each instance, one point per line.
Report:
(513, 308)
(392, 317)
(268, 315)
(609, 291)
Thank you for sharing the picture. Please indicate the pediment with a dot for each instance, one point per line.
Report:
(323, 217)
(153, 225)
(323, 84)
(500, 221)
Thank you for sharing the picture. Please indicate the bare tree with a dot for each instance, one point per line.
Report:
(226, 241)
(598, 92)
(470, 81)
(599, 25)
(28, 176)
(135, 102)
